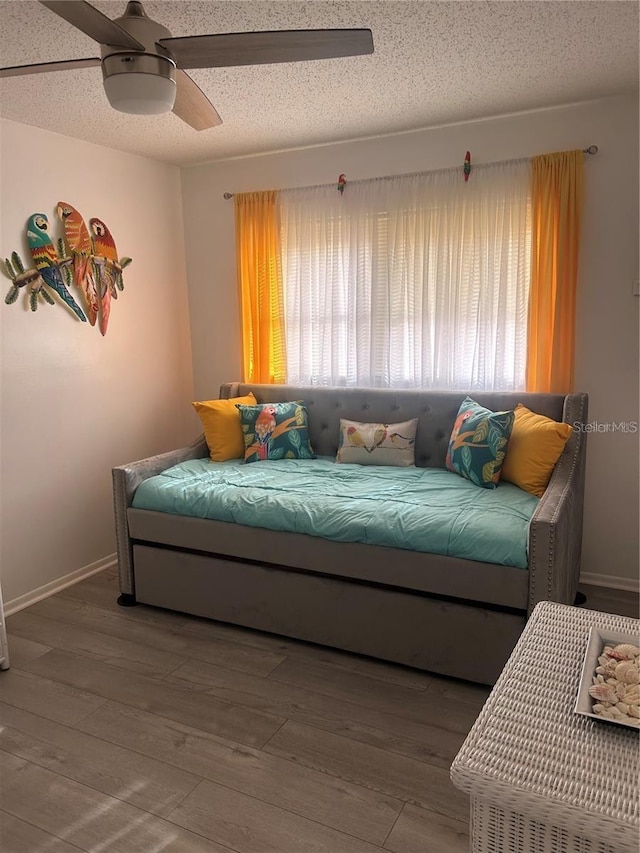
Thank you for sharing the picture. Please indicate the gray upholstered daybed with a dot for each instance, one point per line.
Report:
(444, 614)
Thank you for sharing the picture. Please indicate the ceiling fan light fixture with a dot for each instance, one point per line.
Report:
(144, 66)
(139, 84)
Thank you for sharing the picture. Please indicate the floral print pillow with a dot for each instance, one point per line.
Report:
(478, 443)
(275, 431)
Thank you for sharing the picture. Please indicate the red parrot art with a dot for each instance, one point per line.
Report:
(467, 166)
(460, 437)
(105, 258)
(78, 240)
(264, 427)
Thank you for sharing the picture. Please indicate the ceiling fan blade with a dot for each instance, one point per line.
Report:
(92, 23)
(41, 67)
(192, 105)
(259, 48)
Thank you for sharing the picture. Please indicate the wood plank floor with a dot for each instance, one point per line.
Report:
(144, 731)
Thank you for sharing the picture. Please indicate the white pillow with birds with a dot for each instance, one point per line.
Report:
(275, 431)
(377, 444)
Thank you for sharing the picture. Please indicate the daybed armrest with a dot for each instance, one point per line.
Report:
(555, 533)
(126, 479)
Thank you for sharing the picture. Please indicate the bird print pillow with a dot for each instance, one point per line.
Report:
(275, 431)
(478, 443)
(377, 444)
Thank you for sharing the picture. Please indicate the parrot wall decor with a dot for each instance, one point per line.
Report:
(467, 166)
(85, 258)
(48, 262)
(342, 180)
(108, 268)
(79, 246)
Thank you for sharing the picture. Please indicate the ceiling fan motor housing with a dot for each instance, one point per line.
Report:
(139, 82)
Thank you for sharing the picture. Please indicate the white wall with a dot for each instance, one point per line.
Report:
(73, 403)
(607, 339)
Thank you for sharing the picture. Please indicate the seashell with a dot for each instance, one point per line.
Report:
(617, 655)
(627, 651)
(621, 690)
(627, 672)
(616, 684)
(604, 693)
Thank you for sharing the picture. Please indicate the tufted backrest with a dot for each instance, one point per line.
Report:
(436, 411)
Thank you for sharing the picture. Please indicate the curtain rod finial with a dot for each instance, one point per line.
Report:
(228, 196)
(592, 149)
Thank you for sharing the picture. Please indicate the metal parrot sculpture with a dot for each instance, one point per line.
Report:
(80, 249)
(108, 268)
(86, 256)
(47, 261)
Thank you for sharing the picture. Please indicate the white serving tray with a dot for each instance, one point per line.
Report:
(598, 639)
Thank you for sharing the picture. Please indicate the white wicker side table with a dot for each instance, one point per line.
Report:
(542, 778)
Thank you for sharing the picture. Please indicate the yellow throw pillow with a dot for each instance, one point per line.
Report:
(535, 446)
(221, 426)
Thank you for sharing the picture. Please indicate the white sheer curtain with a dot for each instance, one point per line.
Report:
(411, 281)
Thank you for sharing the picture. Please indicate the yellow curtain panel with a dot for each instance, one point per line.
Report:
(260, 285)
(557, 199)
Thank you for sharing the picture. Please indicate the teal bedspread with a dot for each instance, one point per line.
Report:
(419, 509)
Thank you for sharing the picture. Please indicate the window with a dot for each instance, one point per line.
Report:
(414, 281)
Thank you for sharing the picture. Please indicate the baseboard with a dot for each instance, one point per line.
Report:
(627, 584)
(58, 584)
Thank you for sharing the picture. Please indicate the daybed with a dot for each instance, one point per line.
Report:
(454, 616)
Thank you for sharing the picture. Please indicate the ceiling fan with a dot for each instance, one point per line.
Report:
(143, 66)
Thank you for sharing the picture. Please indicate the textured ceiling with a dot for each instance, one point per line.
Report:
(434, 62)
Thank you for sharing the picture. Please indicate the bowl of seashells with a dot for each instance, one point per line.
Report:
(610, 681)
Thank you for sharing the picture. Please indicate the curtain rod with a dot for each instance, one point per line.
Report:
(592, 149)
